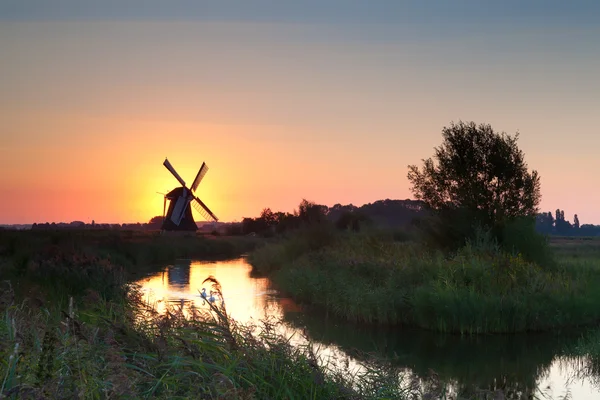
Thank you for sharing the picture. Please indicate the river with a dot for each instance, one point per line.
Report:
(537, 363)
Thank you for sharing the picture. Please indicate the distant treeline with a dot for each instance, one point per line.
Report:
(383, 213)
(82, 225)
(557, 225)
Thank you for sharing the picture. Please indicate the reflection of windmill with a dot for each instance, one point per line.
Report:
(179, 215)
(178, 275)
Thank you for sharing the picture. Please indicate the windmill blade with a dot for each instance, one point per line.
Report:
(164, 207)
(203, 210)
(168, 165)
(201, 172)
(179, 209)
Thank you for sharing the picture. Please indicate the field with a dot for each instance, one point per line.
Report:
(378, 278)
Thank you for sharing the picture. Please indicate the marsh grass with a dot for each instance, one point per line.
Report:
(101, 260)
(482, 288)
(94, 348)
(72, 327)
(125, 248)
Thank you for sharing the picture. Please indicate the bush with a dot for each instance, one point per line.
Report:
(519, 236)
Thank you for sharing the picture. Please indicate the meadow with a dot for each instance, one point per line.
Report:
(375, 277)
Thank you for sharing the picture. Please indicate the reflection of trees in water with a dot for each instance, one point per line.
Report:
(511, 363)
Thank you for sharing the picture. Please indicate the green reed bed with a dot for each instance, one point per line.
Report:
(74, 255)
(70, 327)
(93, 348)
(480, 289)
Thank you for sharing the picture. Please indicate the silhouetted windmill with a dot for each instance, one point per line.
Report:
(179, 215)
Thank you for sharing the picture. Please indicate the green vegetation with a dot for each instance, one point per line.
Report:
(99, 259)
(72, 328)
(481, 288)
(104, 350)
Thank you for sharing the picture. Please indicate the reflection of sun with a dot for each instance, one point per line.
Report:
(246, 299)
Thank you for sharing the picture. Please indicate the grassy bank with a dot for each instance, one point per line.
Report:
(371, 278)
(99, 259)
(98, 349)
(72, 328)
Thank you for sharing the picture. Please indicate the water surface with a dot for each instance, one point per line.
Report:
(525, 363)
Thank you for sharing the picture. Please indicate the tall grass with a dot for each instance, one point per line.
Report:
(72, 327)
(75, 260)
(482, 288)
(95, 348)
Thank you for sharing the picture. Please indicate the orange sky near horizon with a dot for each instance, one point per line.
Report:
(279, 112)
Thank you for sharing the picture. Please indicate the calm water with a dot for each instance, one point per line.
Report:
(519, 362)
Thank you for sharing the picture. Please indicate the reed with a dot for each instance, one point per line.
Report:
(101, 260)
(95, 348)
(480, 289)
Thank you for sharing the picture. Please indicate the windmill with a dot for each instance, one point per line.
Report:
(179, 214)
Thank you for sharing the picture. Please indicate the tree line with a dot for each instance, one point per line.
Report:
(556, 224)
(382, 213)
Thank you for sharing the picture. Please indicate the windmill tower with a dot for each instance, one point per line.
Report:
(179, 214)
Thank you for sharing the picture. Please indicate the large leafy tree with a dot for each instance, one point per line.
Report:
(479, 174)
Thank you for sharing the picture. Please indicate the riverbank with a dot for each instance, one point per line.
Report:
(73, 328)
(372, 278)
(80, 258)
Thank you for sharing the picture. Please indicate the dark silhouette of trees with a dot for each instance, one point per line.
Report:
(382, 213)
(155, 222)
(545, 223)
(477, 177)
(548, 225)
(352, 220)
(562, 227)
(312, 213)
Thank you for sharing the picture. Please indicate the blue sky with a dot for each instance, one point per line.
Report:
(326, 11)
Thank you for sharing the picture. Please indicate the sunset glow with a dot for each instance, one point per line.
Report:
(280, 109)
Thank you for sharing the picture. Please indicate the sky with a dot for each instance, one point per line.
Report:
(326, 100)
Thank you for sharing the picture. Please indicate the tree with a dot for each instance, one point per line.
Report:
(477, 175)
(156, 221)
(576, 222)
(268, 217)
(545, 222)
(311, 213)
(562, 227)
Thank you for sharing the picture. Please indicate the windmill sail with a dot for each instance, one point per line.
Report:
(179, 210)
(168, 165)
(203, 210)
(201, 172)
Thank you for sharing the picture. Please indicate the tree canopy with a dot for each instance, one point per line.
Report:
(477, 172)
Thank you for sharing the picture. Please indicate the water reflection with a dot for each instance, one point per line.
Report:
(523, 365)
(179, 275)
(246, 298)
